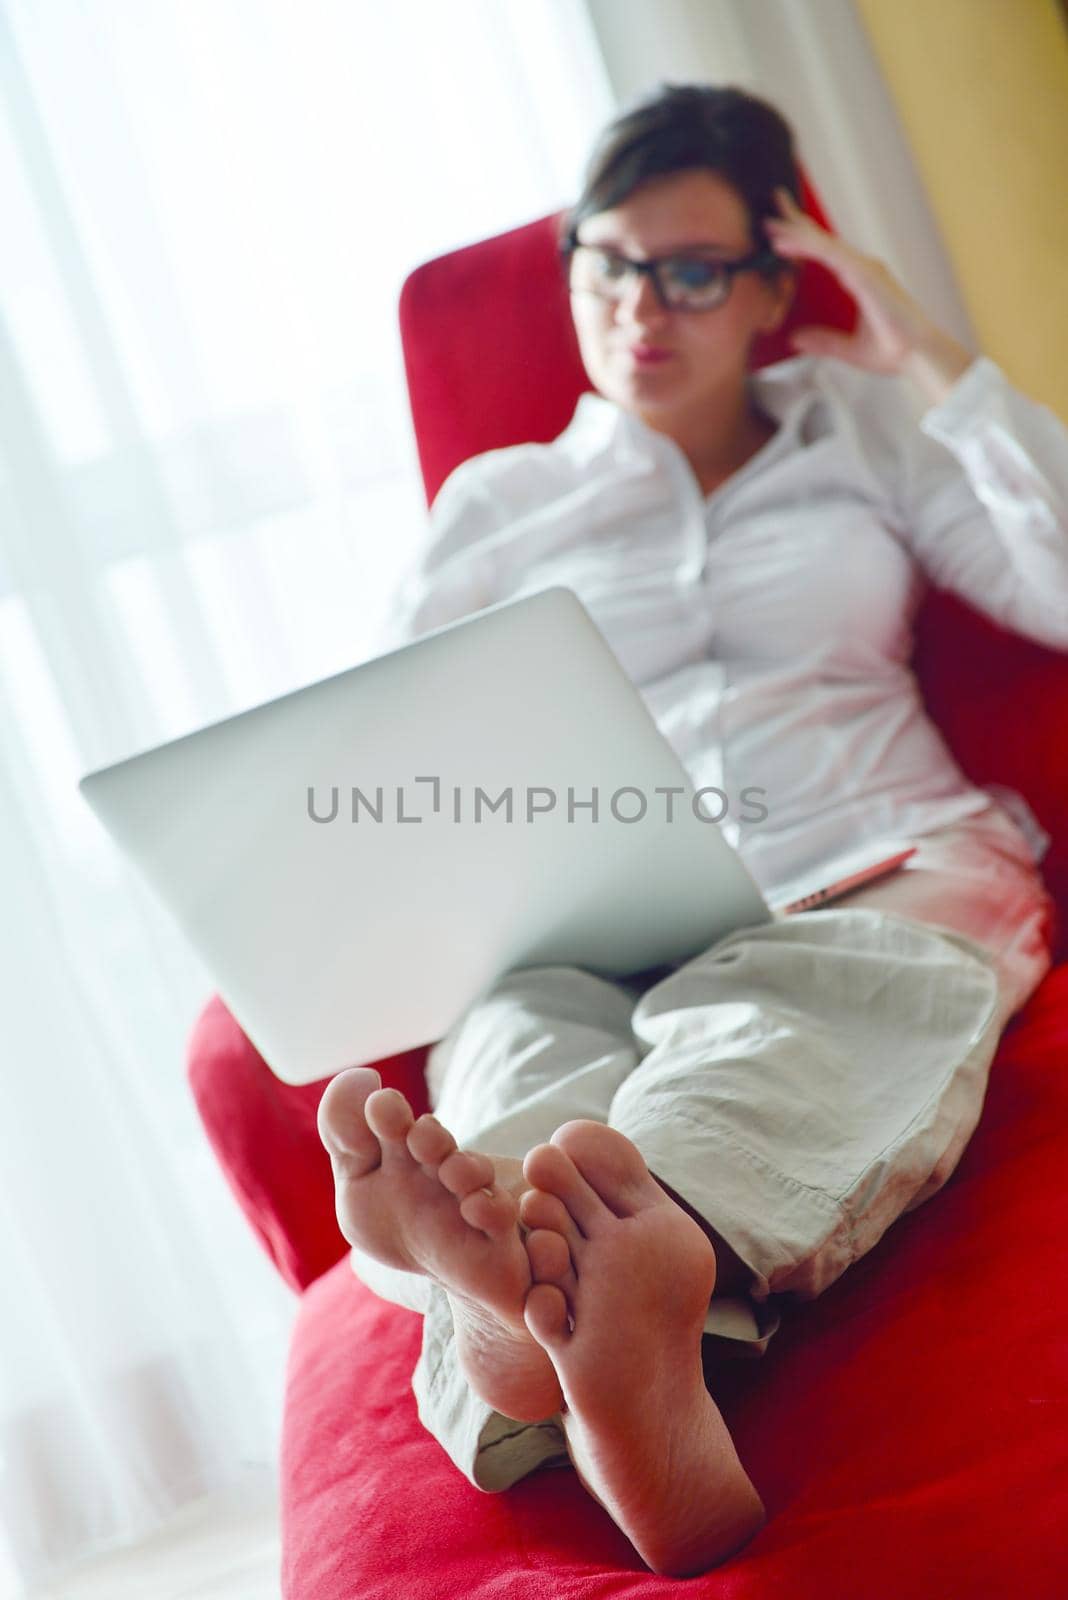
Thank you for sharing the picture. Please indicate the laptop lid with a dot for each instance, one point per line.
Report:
(357, 861)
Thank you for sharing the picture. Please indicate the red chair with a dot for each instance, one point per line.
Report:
(908, 1430)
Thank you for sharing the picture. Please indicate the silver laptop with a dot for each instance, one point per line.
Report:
(357, 861)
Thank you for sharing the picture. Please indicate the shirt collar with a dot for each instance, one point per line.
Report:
(785, 391)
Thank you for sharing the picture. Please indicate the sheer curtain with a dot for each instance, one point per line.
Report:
(207, 492)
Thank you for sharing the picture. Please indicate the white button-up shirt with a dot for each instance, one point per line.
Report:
(768, 625)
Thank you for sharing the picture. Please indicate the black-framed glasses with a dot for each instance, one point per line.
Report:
(688, 281)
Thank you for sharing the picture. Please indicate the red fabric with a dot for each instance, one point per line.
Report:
(908, 1430)
(264, 1134)
(1002, 704)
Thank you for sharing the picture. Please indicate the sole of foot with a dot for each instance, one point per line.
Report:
(407, 1196)
(622, 1280)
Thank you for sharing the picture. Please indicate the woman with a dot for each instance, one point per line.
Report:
(649, 1162)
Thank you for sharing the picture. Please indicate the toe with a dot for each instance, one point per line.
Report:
(343, 1122)
(611, 1165)
(550, 1260)
(492, 1211)
(389, 1115)
(540, 1210)
(464, 1171)
(551, 1169)
(545, 1314)
(428, 1142)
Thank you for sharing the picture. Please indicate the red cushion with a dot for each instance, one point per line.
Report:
(908, 1430)
(1002, 704)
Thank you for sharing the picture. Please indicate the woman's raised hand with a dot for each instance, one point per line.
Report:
(893, 334)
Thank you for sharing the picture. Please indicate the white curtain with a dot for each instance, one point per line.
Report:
(207, 493)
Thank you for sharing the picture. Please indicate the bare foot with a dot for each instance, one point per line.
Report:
(407, 1196)
(623, 1279)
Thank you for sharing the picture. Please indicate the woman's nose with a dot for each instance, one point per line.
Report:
(640, 301)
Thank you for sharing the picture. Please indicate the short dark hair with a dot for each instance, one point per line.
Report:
(686, 127)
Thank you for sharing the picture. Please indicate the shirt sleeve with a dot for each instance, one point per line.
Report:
(983, 502)
(448, 579)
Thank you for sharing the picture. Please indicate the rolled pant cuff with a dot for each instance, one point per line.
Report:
(491, 1450)
(741, 1326)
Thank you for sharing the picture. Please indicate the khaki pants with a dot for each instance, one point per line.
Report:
(800, 1084)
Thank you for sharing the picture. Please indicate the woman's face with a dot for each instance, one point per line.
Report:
(664, 365)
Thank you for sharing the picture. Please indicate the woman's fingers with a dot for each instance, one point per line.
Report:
(786, 202)
(792, 222)
(892, 328)
(798, 236)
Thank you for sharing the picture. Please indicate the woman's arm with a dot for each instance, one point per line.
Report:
(980, 480)
(446, 581)
(995, 529)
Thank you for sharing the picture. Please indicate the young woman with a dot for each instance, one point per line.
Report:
(650, 1162)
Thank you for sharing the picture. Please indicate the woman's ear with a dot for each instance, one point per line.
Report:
(783, 289)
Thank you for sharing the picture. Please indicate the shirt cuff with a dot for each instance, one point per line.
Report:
(969, 396)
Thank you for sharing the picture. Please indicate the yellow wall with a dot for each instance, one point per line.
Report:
(981, 87)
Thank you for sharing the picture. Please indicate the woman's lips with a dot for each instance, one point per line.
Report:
(648, 355)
